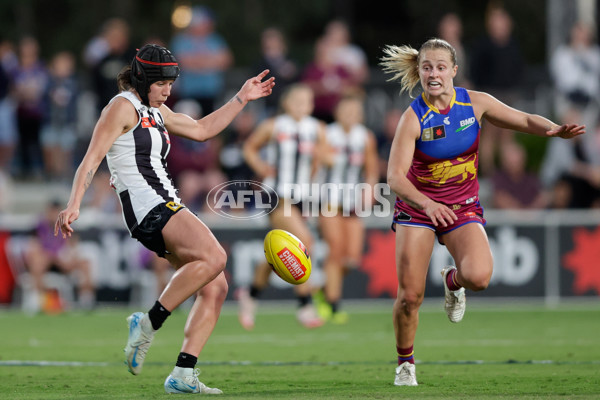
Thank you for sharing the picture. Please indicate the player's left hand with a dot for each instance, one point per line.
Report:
(255, 88)
(566, 131)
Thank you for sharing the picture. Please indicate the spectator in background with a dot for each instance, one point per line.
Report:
(346, 54)
(204, 57)
(8, 122)
(194, 165)
(101, 196)
(46, 251)
(114, 53)
(274, 57)
(58, 134)
(30, 81)
(513, 186)
(450, 28)
(97, 47)
(496, 68)
(231, 156)
(575, 69)
(571, 170)
(328, 81)
(385, 139)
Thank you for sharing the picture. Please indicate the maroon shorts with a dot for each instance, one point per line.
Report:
(467, 212)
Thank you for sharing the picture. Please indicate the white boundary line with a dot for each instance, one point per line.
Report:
(36, 363)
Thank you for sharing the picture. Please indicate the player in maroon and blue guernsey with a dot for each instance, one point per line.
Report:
(433, 171)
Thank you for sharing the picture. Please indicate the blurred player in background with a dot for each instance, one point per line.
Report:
(354, 151)
(132, 133)
(433, 171)
(297, 143)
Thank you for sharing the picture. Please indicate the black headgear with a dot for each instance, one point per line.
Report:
(152, 63)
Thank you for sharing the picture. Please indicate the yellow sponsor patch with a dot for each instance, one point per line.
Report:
(173, 206)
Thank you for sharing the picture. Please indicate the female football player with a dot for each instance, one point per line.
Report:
(433, 171)
(354, 154)
(297, 144)
(133, 133)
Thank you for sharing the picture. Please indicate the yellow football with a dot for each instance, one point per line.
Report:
(287, 256)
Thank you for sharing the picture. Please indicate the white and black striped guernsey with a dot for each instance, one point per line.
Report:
(349, 160)
(291, 152)
(137, 161)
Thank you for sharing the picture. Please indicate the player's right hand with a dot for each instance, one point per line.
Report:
(439, 214)
(63, 223)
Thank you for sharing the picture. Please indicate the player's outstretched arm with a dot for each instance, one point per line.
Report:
(212, 124)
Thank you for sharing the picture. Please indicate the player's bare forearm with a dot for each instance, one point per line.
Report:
(81, 182)
(407, 192)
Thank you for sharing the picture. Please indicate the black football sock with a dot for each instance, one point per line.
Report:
(158, 314)
(185, 360)
(304, 300)
(255, 292)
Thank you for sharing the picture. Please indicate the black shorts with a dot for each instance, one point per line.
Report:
(149, 231)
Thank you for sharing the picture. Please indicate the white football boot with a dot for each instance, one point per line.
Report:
(141, 334)
(247, 309)
(405, 375)
(456, 302)
(309, 318)
(185, 380)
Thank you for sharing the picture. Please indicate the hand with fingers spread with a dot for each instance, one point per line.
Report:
(566, 131)
(255, 88)
(439, 213)
(63, 223)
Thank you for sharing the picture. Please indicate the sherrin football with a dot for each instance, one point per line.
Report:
(287, 256)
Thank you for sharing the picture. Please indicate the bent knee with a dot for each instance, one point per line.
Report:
(216, 260)
(477, 283)
(409, 301)
(217, 289)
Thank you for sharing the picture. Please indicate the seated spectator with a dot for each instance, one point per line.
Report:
(513, 186)
(575, 70)
(571, 168)
(46, 252)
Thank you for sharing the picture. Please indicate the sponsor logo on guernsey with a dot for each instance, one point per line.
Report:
(447, 120)
(428, 118)
(466, 123)
(292, 263)
(173, 206)
(435, 133)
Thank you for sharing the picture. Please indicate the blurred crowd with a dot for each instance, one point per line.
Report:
(48, 107)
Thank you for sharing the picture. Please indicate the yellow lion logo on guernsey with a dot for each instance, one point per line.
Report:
(443, 171)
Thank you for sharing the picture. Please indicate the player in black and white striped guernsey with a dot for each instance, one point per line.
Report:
(133, 133)
(354, 163)
(295, 142)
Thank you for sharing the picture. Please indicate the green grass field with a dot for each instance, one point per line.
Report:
(496, 352)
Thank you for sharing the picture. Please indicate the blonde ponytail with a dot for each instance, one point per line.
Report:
(403, 62)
